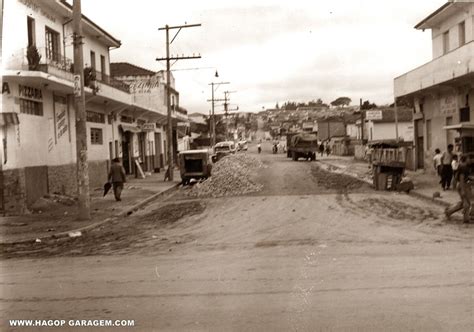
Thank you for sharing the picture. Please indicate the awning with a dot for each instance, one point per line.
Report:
(130, 128)
(9, 118)
(460, 126)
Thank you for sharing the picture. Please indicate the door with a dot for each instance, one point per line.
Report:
(420, 155)
(126, 152)
(158, 151)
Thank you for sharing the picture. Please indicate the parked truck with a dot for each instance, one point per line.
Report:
(302, 146)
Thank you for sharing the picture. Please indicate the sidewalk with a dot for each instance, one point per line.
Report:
(425, 184)
(55, 216)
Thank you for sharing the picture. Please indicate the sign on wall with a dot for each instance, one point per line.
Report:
(149, 126)
(60, 115)
(447, 105)
(373, 115)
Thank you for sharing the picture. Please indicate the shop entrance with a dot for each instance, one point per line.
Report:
(420, 152)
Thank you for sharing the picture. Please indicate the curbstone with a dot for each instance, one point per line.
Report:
(86, 228)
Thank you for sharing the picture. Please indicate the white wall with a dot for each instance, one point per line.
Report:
(387, 131)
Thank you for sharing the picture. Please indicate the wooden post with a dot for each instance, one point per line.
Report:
(80, 108)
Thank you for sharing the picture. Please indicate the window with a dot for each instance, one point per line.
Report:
(31, 31)
(31, 107)
(126, 119)
(96, 136)
(53, 51)
(95, 117)
(102, 64)
(428, 135)
(462, 33)
(446, 42)
(93, 60)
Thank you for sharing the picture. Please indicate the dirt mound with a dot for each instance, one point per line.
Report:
(338, 181)
(232, 175)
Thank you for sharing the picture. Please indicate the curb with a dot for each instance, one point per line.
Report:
(412, 192)
(125, 213)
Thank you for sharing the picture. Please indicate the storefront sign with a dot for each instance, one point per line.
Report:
(30, 93)
(149, 126)
(373, 115)
(5, 88)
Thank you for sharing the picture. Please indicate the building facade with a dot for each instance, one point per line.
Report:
(37, 126)
(442, 90)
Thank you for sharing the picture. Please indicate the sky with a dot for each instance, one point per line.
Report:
(273, 50)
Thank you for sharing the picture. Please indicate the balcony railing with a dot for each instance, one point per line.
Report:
(110, 81)
(453, 65)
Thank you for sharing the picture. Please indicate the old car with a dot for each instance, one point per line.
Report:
(195, 164)
(242, 146)
(223, 149)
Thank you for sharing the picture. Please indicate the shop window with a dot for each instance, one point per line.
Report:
(96, 136)
(31, 107)
(53, 51)
(93, 60)
(95, 117)
(126, 119)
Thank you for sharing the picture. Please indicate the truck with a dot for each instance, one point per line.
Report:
(302, 146)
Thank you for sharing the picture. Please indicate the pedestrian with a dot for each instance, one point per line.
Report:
(455, 166)
(437, 163)
(328, 149)
(447, 170)
(117, 178)
(321, 149)
(464, 190)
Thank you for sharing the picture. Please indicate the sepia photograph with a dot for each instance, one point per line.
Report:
(213, 165)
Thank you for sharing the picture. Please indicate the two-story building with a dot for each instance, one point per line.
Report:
(37, 118)
(442, 90)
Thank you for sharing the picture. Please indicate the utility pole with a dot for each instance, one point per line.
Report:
(168, 88)
(226, 112)
(80, 108)
(362, 121)
(213, 117)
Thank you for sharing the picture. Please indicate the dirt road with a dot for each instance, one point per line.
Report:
(311, 251)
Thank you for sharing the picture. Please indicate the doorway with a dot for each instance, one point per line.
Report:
(420, 152)
(126, 145)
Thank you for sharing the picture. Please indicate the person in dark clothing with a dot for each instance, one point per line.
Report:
(464, 190)
(117, 178)
(447, 169)
(321, 149)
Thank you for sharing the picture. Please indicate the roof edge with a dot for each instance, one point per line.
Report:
(433, 14)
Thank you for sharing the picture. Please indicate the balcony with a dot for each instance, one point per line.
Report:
(454, 65)
(106, 79)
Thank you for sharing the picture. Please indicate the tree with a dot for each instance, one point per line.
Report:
(277, 106)
(366, 105)
(341, 101)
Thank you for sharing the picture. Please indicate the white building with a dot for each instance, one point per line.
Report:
(37, 126)
(385, 128)
(442, 90)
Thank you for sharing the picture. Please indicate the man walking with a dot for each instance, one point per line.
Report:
(117, 177)
(447, 169)
(464, 190)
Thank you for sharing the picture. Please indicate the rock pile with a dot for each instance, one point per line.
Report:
(230, 176)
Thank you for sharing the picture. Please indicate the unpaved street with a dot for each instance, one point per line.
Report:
(312, 251)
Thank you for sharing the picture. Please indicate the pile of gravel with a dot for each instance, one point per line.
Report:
(230, 176)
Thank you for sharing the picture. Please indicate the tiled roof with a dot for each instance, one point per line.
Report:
(127, 69)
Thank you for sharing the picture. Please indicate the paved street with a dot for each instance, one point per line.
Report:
(313, 251)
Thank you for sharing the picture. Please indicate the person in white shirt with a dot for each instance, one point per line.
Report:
(437, 162)
(455, 166)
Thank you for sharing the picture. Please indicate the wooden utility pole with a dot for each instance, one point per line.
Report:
(168, 88)
(213, 118)
(80, 108)
(362, 121)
